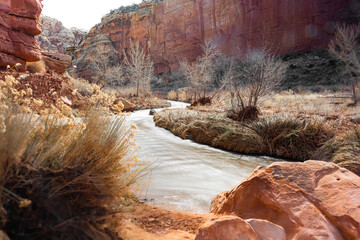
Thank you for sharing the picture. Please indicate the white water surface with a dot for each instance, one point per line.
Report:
(186, 175)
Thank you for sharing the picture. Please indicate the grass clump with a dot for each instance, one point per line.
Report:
(343, 149)
(64, 179)
(281, 136)
(288, 137)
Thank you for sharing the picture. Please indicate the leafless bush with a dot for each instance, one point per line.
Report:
(106, 70)
(139, 68)
(257, 76)
(200, 72)
(345, 47)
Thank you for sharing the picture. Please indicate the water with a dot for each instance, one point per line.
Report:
(187, 175)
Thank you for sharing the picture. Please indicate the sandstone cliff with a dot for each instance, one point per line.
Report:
(171, 30)
(18, 26)
(55, 37)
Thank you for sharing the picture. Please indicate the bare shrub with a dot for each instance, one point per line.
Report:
(260, 73)
(139, 68)
(199, 73)
(106, 68)
(345, 47)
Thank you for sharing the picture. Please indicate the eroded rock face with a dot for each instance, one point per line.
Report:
(311, 200)
(18, 26)
(56, 61)
(57, 38)
(172, 30)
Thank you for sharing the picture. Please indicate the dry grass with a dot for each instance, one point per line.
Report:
(172, 95)
(36, 67)
(297, 103)
(281, 136)
(320, 104)
(344, 149)
(76, 175)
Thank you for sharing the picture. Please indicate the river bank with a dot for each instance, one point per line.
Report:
(295, 137)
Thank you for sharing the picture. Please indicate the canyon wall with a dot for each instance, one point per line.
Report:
(18, 26)
(172, 30)
(55, 37)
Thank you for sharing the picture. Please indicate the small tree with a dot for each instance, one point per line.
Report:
(199, 73)
(260, 73)
(139, 68)
(106, 68)
(345, 47)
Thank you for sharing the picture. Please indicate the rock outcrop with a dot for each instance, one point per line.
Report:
(235, 228)
(18, 26)
(172, 30)
(310, 200)
(55, 37)
(56, 61)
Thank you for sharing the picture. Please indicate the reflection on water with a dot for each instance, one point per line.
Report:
(187, 175)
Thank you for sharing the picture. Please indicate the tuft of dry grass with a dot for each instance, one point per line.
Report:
(36, 67)
(343, 149)
(75, 175)
(172, 95)
(281, 136)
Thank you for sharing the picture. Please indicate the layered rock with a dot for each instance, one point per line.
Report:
(311, 200)
(57, 38)
(18, 26)
(172, 30)
(56, 61)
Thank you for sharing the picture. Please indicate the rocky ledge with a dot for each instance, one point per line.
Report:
(18, 26)
(310, 200)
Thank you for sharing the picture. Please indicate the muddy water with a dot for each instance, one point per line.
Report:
(187, 175)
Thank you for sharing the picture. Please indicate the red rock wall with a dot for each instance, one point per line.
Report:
(18, 26)
(175, 29)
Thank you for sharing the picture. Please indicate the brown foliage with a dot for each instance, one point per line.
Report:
(73, 175)
(248, 113)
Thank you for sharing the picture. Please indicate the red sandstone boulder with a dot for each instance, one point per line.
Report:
(310, 200)
(56, 61)
(18, 26)
(227, 228)
(267, 230)
(175, 29)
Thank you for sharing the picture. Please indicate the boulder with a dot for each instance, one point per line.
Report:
(174, 30)
(152, 112)
(56, 61)
(18, 26)
(267, 230)
(227, 228)
(128, 106)
(310, 200)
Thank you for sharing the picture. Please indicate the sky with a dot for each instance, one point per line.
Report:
(82, 14)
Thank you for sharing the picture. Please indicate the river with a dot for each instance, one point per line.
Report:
(186, 175)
